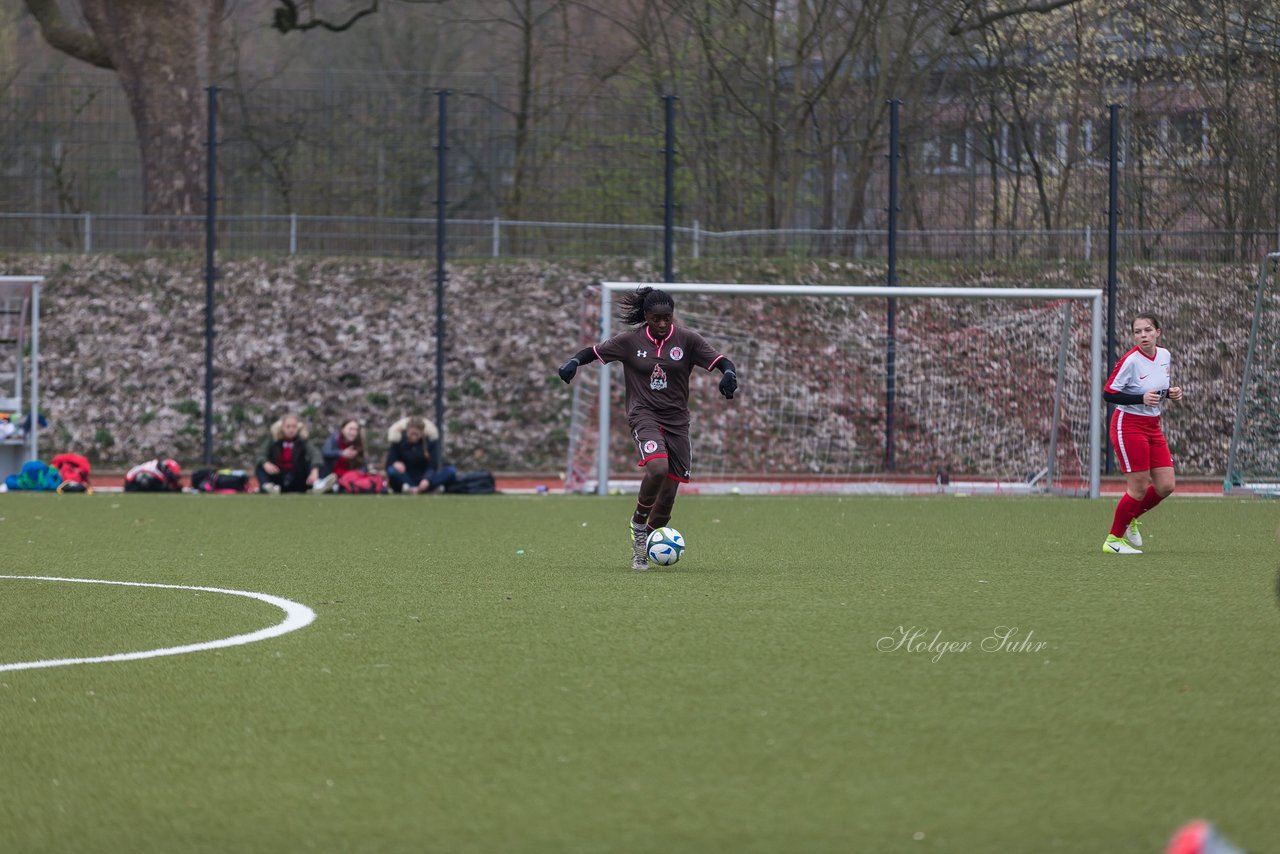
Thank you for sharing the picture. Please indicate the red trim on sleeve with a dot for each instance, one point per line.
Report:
(1119, 364)
(598, 356)
(713, 361)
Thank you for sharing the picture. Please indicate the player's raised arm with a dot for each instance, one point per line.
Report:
(585, 356)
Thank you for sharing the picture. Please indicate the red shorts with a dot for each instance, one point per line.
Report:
(1139, 442)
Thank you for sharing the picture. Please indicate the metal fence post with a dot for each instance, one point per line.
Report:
(891, 320)
(1113, 216)
(210, 271)
(442, 99)
(669, 192)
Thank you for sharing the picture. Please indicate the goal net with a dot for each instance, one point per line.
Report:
(1253, 460)
(976, 389)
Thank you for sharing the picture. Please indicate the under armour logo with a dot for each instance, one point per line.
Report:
(643, 354)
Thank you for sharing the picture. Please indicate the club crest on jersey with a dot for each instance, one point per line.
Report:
(650, 446)
(677, 354)
(658, 379)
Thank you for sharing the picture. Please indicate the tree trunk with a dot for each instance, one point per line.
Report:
(154, 47)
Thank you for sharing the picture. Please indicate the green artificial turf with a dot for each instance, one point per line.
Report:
(486, 674)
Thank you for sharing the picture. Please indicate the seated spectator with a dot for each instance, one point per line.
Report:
(287, 462)
(343, 452)
(413, 460)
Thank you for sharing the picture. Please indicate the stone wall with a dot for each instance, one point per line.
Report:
(122, 367)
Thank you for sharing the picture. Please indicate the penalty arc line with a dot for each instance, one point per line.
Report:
(297, 616)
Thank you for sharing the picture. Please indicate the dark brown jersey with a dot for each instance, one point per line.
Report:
(657, 372)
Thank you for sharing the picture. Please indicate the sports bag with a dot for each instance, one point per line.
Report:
(472, 483)
(74, 469)
(221, 481)
(362, 483)
(154, 476)
(36, 476)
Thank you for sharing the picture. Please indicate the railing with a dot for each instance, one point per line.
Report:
(296, 234)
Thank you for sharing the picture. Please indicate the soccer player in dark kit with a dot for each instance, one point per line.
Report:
(657, 358)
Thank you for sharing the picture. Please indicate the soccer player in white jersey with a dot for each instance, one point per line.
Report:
(1139, 386)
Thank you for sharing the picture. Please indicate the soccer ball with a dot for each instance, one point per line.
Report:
(665, 546)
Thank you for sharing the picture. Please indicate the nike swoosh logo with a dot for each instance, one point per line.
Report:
(1113, 547)
(1143, 376)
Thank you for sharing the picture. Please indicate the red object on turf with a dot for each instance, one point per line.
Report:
(1199, 837)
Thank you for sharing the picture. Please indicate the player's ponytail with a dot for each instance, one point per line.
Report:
(635, 306)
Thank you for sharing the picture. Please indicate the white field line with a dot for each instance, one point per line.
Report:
(296, 617)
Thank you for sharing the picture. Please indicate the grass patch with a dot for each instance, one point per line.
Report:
(485, 674)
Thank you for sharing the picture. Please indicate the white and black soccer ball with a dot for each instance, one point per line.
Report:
(665, 546)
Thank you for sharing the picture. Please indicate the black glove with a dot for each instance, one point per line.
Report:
(728, 384)
(568, 369)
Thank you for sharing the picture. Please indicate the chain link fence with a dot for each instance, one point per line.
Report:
(338, 168)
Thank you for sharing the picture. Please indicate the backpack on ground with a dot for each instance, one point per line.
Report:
(36, 476)
(220, 481)
(154, 476)
(74, 470)
(362, 483)
(472, 483)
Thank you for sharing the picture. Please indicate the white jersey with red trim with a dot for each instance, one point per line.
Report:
(1137, 374)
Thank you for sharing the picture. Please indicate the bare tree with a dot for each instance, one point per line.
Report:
(153, 46)
(974, 14)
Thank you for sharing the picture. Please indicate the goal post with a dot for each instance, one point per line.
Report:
(1253, 456)
(995, 389)
(19, 344)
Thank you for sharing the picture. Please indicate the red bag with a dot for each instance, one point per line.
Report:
(362, 483)
(74, 469)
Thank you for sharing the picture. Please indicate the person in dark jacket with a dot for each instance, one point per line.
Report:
(343, 452)
(413, 459)
(287, 462)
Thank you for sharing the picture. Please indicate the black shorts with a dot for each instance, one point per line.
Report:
(654, 441)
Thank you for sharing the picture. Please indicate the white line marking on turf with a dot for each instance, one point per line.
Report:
(296, 617)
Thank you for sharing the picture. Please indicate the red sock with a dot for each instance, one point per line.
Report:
(1151, 499)
(1126, 511)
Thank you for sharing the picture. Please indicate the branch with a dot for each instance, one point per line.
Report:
(982, 20)
(66, 38)
(286, 17)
